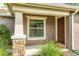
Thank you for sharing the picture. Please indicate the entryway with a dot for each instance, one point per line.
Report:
(61, 30)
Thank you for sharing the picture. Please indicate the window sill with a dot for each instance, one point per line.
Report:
(37, 38)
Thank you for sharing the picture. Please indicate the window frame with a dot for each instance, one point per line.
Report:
(36, 18)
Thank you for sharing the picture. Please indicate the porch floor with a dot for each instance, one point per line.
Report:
(32, 50)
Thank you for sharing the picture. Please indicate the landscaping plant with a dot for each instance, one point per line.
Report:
(4, 40)
(50, 49)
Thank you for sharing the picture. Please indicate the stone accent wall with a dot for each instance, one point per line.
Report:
(18, 47)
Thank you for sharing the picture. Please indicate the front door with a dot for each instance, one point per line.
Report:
(61, 30)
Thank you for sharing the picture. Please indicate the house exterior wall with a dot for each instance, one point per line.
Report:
(75, 43)
(9, 22)
(76, 31)
(50, 31)
(69, 32)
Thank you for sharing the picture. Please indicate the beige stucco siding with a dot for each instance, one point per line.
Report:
(76, 31)
(9, 22)
(50, 31)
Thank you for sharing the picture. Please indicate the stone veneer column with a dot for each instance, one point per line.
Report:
(18, 39)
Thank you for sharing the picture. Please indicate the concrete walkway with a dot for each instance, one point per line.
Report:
(32, 50)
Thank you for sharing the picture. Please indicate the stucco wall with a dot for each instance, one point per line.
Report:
(9, 22)
(50, 31)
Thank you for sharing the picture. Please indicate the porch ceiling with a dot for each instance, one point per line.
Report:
(40, 11)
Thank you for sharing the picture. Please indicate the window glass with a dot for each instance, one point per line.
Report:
(36, 28)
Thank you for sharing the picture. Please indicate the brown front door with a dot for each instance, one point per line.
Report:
(61, 30)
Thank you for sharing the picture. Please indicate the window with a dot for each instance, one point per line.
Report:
(36, 28)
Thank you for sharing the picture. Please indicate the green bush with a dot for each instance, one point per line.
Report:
(4, 40)
(51, 49)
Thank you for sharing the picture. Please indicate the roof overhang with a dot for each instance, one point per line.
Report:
(60, 6)
(40, 10)
(57, 6)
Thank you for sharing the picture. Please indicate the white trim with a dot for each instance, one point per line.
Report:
(37, 18)
(56, 33)
(18, 36)
(65, 29)
(56, 24)
(73, 32)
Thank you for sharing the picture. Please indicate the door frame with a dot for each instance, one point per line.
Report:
(56, 28)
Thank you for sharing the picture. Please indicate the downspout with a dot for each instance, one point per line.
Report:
(72, 15)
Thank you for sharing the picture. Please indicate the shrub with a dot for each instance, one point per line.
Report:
(4, 40)
(50, 49)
